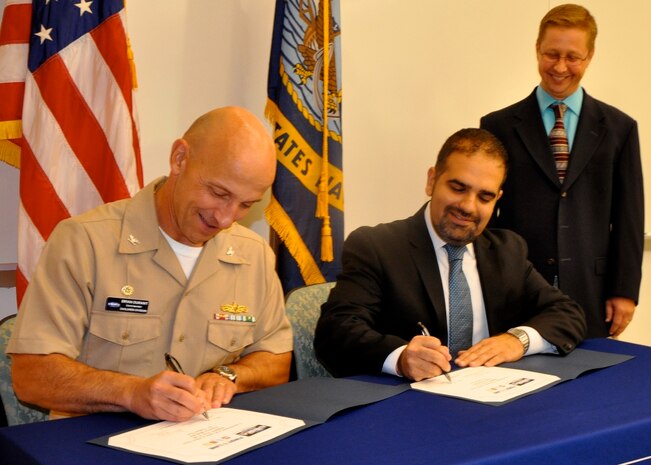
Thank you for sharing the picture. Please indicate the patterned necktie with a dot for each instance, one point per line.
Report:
(460, 336)
(558, 141)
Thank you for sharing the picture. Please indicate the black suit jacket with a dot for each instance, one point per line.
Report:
(588, 231)
(390, 281)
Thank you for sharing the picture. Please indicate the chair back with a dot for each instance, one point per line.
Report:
(16, 412)
(303, 308)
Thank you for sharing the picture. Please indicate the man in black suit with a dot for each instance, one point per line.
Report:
(395, 276)
(584, 228)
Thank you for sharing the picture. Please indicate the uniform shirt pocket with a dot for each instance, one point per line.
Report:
(231, 336)
(123, 343)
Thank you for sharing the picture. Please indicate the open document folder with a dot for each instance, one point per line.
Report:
(510, 381)
(251, 420)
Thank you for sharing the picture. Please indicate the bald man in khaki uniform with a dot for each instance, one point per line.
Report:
(169, 271)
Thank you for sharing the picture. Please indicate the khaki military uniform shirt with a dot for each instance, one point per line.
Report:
(110, 292)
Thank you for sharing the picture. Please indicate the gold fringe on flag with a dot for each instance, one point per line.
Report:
(282, 224)
(270, 112)
(327, 254)
(10, 151)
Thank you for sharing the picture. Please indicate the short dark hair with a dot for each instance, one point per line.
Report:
(469, 141)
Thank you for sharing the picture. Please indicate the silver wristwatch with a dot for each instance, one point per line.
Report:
(522, 337)
(226, 372)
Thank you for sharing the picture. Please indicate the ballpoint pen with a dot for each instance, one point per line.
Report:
(425, 332)
(174, 365)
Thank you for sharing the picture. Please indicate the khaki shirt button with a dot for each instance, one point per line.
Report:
(233, 342)
(125, 336)
(182, 338)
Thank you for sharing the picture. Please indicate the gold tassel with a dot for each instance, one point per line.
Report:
(132, 61)
(327, 254)
(132, 64)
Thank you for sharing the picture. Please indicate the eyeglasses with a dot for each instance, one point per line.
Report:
(570, 60)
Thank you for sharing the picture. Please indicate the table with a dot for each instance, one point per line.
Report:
(603, 417)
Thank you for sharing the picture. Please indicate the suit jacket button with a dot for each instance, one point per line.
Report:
(551, 261)
(563, 194)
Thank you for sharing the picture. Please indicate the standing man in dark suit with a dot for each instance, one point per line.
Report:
(583, 221)
(396, 276)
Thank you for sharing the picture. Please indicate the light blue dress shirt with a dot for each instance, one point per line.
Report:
(571, 117)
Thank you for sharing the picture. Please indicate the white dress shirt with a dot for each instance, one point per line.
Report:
(480, 325)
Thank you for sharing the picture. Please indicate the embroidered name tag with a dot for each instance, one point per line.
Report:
(119, 304)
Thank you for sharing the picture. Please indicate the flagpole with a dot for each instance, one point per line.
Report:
(322, 197)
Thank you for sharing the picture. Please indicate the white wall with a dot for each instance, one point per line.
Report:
(414, 71)
(192, 56)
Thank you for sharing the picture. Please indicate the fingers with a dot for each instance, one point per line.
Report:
(620, 310)
(424, 357)
(173, 396)
(618, 326)
(609, 311)
(218, 390)
(491, 352)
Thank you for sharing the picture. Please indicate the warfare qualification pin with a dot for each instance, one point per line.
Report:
(234, 308)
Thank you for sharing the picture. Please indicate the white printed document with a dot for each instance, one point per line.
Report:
(487, 384)
(252, 420)
(228, 432)
(510, 381)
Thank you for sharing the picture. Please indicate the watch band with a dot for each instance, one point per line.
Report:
(522, 336)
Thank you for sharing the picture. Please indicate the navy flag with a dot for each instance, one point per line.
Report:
(306, 211)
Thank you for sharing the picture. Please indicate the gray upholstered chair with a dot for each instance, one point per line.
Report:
(303, 307)
(16, 411)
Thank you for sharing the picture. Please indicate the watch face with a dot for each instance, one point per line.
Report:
(226, 372)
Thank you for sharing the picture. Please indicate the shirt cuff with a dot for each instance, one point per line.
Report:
(390, 366)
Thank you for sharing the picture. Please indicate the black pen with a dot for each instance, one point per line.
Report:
(425, 332)
(174, 365)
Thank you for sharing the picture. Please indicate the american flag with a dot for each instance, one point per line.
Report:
(66, 93)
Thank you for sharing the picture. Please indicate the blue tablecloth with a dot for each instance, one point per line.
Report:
(602, 417)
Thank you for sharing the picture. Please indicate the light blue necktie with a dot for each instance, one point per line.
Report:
(460, 336)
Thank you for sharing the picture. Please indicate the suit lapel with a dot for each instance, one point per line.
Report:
(424, 257)
(486, 267)
(589, 134)
(530, 129)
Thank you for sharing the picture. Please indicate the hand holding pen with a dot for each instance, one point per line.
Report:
(424, 331)
(174, 365)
